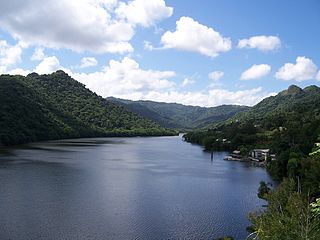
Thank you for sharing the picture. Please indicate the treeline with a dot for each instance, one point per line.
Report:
(55, 106)
(292, 142)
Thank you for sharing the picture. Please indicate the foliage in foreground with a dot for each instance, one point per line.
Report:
(289, 215)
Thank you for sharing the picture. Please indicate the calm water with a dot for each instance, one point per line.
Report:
(124, 188)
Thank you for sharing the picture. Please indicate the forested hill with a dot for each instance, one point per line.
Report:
(175, 115)
(291, 101)
(55, 106)
(291, 119)
(288, 124)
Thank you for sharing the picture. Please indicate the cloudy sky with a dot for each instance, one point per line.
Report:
(204, 52)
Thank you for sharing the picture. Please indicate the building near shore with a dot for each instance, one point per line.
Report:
(259, 154)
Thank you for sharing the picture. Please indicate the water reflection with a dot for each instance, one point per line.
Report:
(124, 188)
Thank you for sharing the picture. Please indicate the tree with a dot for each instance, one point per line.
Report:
(288, 216)
(263, 190)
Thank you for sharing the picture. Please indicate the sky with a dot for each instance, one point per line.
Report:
(204, 52)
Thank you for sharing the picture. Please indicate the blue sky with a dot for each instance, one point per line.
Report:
(206, 52)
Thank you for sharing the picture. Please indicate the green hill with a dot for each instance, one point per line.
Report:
(55, 106)
(292, 116)
(173, 115)
(291, 101)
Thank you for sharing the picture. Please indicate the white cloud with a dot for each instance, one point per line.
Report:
(213, 97)
(318, 76)
(79, 25)
(100, 26)
(9, 54)
(38, 54)
(125, 77)
(263, 43)
(216, 75)
(256, 72)
(88, 62)
(48, 65)
(193, 36)
(19, 71)
(3, 69)
(144, 12)
(303, 69)
(187, 81)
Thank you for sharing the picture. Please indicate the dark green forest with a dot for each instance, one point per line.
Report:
(55, 106)
(178, 116)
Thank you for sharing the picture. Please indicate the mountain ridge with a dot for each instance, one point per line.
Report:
(176, 115)
(54, 106)
(291, 99)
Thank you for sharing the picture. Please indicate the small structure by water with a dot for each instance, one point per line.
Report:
(259, 155)
(234, 156)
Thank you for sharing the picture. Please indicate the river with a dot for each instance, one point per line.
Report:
(124, 188)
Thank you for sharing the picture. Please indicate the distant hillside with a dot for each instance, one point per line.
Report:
(289, 120)
(290, 101)
(175, 115)
(54, 106)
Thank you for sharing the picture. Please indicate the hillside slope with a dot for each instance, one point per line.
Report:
(289, 120)
(175, 115)
(54, 106)
(292, 100)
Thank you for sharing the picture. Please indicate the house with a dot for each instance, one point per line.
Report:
(260, 154)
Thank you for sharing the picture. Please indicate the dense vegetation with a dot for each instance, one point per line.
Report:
(173, 115)
(289, 125)
(289, 215)
(41, 107)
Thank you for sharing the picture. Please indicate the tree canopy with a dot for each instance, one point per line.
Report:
(54, 106)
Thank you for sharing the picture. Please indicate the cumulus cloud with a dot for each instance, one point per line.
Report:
(213, 97)
(256, 72)
(193, 36)
(263, 43)
(216, 75)
(144, 12)
(38, 54)
(18, 71)
(124, 77)
(48, 65)
(318, 76)
(80, 25)
(9, 54)
(303, 69)
(88, 62)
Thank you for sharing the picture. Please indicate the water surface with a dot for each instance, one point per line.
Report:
(124, 188)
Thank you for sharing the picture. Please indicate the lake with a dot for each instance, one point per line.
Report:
(124, 188)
